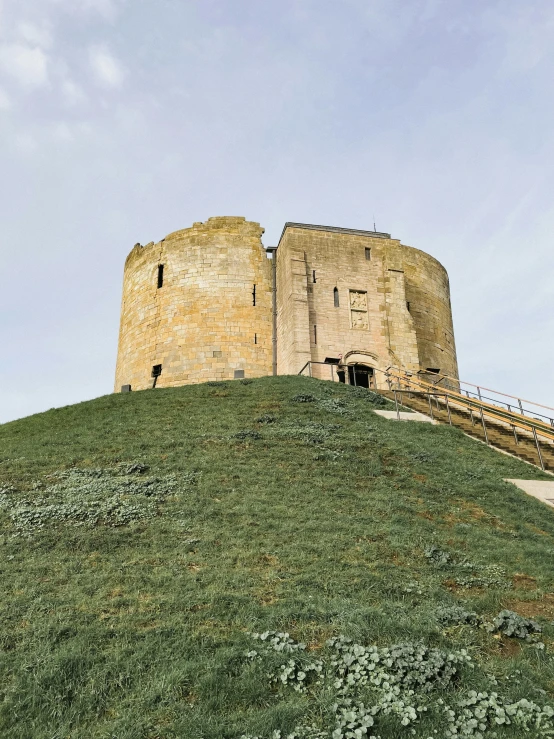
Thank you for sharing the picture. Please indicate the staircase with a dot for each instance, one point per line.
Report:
(519, 427)
(495, 422)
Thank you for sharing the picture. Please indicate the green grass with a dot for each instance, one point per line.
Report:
(128, 613)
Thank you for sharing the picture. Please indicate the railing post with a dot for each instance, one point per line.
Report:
(484, 427)
(471, 416)
(515, 434)
(538, 447)
(397, 408)
(520, 407)
(310, 368)
(448, 409)
(430, 406)
(479, 393)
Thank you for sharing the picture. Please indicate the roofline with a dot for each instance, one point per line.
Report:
(335, 229)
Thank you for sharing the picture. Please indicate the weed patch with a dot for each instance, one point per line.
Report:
(89, 497)
(363, 688)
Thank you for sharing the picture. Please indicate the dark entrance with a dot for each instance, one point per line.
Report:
(360, 375)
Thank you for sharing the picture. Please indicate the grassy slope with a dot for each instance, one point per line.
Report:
(140, 631)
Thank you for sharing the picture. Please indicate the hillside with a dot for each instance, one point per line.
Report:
(146, 537)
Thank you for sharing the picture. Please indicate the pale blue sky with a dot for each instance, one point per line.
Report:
(121, 121)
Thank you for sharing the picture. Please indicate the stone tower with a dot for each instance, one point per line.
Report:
(363, 297)
(196, 306)
(206, 303)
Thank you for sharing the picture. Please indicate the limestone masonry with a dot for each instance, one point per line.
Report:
(211, 303)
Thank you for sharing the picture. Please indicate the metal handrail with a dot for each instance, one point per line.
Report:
(479, 388)
(492, 412)
(490, 390)
(528, 424)
(406, 382)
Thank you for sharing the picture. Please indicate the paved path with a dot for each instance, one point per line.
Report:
(540, 489)
(405, 416)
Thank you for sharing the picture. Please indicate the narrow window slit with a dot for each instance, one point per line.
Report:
(160, 275)
(313, 276)
(255, 338)
(368, 253)
(336, 297)
(156, 372)
(315, 334)
(254, 295)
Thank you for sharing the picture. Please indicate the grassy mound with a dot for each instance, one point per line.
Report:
(267, 558)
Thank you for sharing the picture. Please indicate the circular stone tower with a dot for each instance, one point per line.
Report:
(196, 306)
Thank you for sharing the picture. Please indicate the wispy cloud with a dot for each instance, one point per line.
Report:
(434, 114)
(26, 143)
(107, 70)
(108, 9)
(26, 65)
(526, 35)
(35, 35)
(73, 93)
(5, 101)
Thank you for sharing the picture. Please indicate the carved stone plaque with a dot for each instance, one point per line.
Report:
(358, 310)
(358, 300)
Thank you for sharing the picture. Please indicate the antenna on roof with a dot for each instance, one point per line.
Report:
(374, 229)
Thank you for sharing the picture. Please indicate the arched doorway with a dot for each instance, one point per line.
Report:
(361, 375)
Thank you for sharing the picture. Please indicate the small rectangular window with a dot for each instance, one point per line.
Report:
(254, 295)
(156, 370)
(160, 275)
(367, 253)
(313, 276)
(239, 374)
(433, 370)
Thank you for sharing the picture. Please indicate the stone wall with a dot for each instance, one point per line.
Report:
(428, 292)
(202, 323)
(357, 296)
(393, 302)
